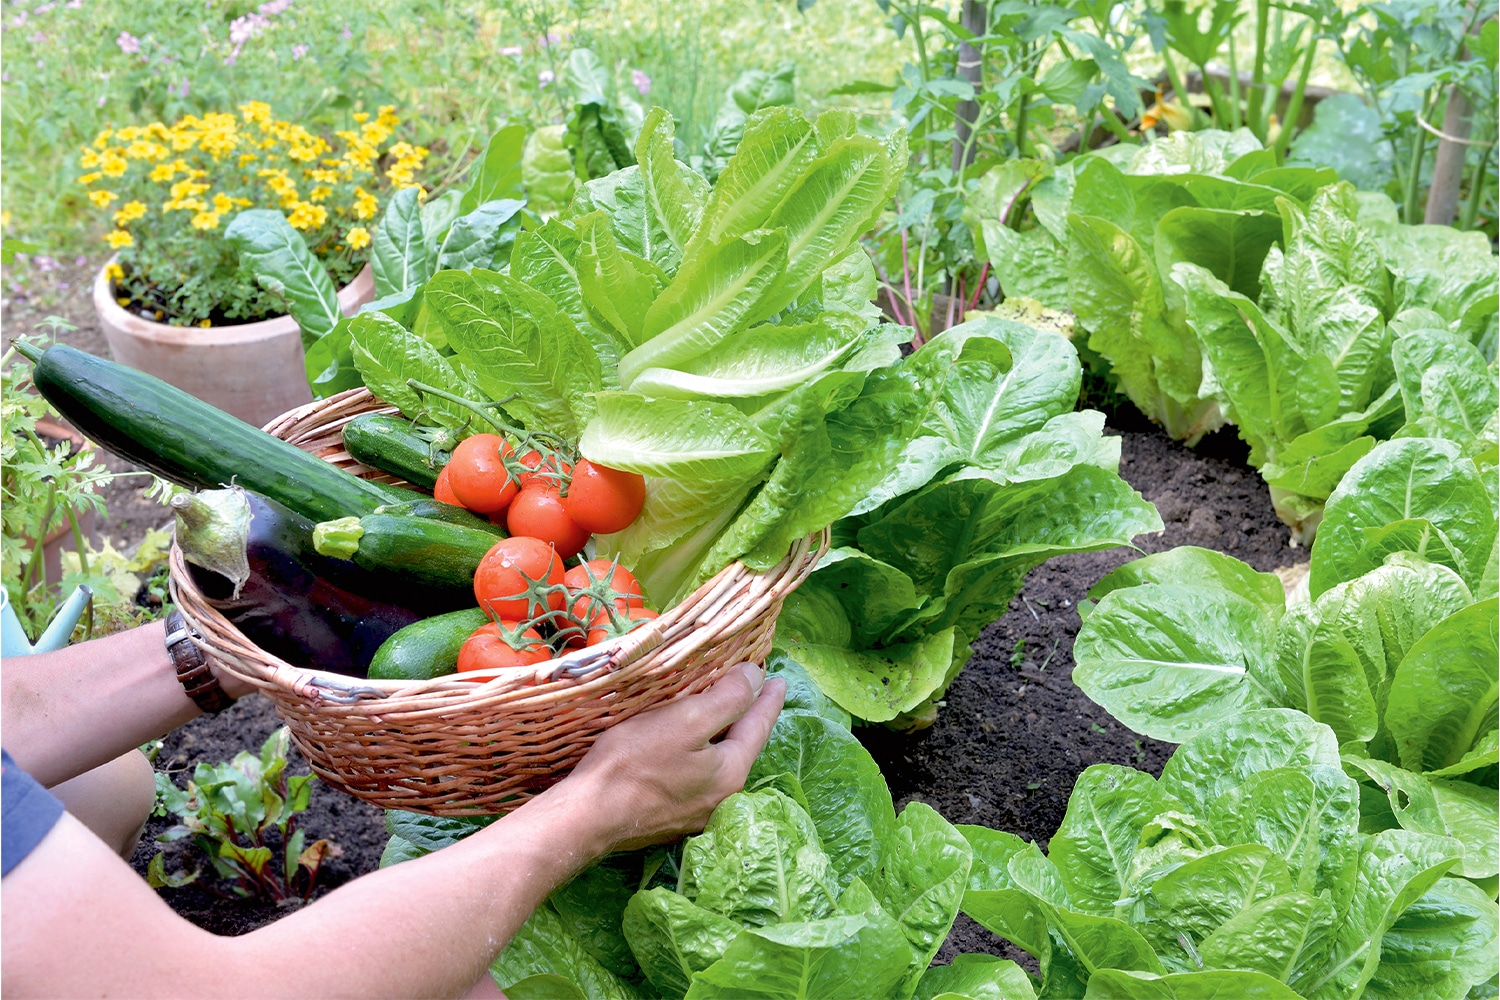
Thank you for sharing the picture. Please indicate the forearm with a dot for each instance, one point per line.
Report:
(436, 923)
(67, 712)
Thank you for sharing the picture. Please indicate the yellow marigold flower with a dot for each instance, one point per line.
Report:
(205, 323)
(90, 178)
(114, 165)
(122, 301)
(89, 159)
(324, 176)
(206, 220)
(129, 212)
(358, 238)
(387, 116)
(306, 215)
(256, 111)
(163, 172)
(222, 203)
(365, 204)
(102, 139)
(119, 238)
(361, 116)
(319, 193)
(248, 158)
(113, 271)
(5, 217)
(102, 198)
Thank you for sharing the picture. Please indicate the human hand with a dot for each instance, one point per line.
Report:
(660, 774)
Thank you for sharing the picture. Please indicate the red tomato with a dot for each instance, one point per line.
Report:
(547, 471)
(488, 647)
(604, 500)
(511, 574)
(478, 474)
(602, 628)
(600, 581)
(442, 490)
(538, 512)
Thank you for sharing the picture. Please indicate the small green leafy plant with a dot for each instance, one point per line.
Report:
(243, 815)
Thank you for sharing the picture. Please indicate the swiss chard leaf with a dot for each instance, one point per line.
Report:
(282, 264)
(398, 252)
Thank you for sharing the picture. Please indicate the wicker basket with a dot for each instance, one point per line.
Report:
(452, 747)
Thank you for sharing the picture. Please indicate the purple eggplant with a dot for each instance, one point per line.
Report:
(254, 561)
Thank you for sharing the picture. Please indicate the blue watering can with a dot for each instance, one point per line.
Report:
(13, 640)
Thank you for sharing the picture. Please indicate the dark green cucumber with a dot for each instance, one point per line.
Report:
(429, 553)
(185, 440)
(387, 442)
(425, 649)
(439, 511)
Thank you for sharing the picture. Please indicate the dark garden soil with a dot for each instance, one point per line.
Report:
(1005, 750)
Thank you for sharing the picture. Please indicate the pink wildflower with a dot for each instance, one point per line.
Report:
(545, 77)
(511, 50)
(641, 80)
(128, 43)
(298, 51)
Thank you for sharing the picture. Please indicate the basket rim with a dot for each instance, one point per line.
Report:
(573, 670)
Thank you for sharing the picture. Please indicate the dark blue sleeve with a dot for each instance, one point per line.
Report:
(27, 812)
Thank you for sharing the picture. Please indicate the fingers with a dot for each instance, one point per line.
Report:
(745, 739)
(702, 716)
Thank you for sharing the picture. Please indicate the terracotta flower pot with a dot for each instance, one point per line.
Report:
(252, 370)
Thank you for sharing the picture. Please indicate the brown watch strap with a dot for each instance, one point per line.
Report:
(192, 667)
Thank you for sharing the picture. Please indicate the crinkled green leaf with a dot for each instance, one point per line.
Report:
(879, 684)
(1444, 944)
(1204, 569)
(1404, 480)
(544, 946)
(1174, 660)
(674, 938)
(673, 198)
(1443, 269)
(1396, 869)
(760, 861)
(976, 977)
(1093, 847)
(842, 956)
(388, 356)
(1443, 697)
(846, 795)
(1230, 244)
(777, 149)
(1215, 984)
(617, 287)
(723, 288)
(1464, 811)
(515, 341)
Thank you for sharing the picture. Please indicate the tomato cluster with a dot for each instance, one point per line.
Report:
(540, 609)
(540, 495)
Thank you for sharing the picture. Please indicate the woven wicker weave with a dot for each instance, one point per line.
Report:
(453, 747)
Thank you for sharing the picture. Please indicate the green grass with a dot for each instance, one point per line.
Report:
(439, 61)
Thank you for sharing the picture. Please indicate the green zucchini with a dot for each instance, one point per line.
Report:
(429, 553)
(425, 649)
(438, 511)
(185, 440)
(387, 442)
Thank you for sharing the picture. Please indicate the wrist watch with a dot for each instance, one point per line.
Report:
(192, 666)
